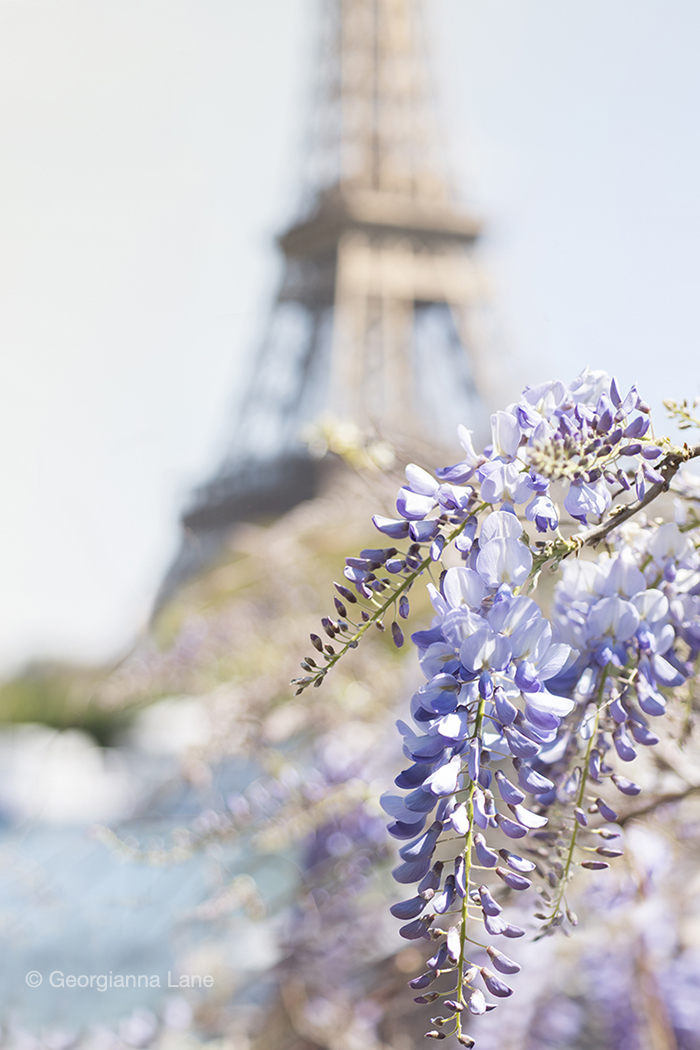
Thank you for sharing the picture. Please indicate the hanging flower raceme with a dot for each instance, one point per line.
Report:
(518, 736)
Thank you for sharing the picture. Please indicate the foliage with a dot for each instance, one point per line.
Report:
(62, 697)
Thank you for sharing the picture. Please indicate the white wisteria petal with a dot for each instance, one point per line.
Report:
(421, 481)
(500, 525)
(463, 587)
(550, 704)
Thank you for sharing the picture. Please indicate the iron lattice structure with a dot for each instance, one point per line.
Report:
(371, 324)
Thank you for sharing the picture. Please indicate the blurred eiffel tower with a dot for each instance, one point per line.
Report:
(371, 324)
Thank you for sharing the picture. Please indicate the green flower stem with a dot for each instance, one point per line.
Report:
(468, 843)
(379, 612)
(566, 874)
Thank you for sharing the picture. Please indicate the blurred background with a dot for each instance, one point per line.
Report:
(524, 176)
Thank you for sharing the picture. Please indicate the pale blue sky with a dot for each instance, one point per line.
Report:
(148, 153)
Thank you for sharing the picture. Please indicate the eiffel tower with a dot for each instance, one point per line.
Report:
(371, 323)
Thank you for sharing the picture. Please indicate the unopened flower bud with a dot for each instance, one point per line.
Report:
(605, 810)
(344, 592)
(488, 903)
(329, 627)
(397, 635)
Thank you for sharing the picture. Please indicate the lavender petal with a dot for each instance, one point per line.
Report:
(515, 862)
(443, 902)
(484, 855)
(605, 810)
(510, 828)
(502, 963)
(408, 909)
(494, 984)
(424, 981)
(495, 925)
(411, 870)
(513, 879)
(519, 745)
(509, 792)
(489, 905)
(627, 787)
(460, 877)
(527, 818)
(413, 931)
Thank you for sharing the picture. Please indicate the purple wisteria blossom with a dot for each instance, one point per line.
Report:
(489, 653)
(520, 732)
(553, 430)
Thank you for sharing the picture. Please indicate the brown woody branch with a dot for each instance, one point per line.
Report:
(662, 800)
(668, 468)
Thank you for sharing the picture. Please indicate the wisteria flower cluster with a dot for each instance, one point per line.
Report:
(526, 720)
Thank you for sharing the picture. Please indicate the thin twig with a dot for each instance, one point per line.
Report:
(662, 800)
(668, 468)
